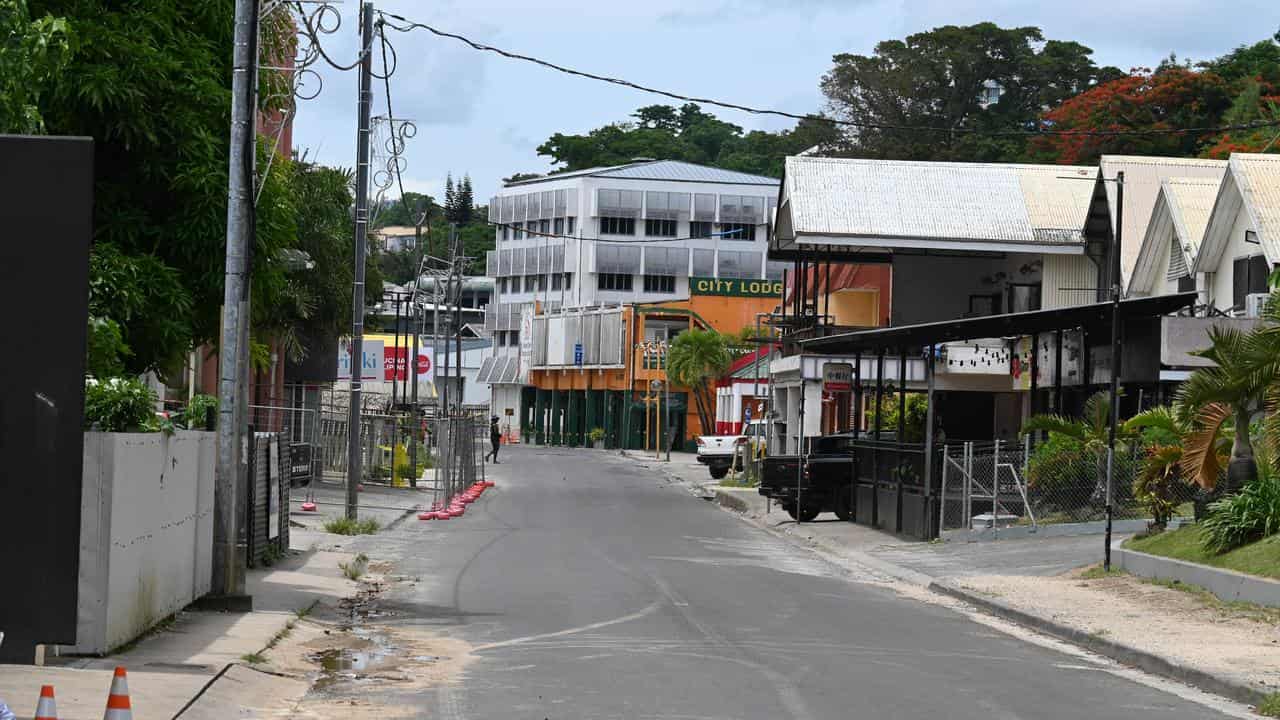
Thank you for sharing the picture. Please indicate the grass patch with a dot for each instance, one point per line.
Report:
(253, 658)
(1186, 543)
(306, 610)
(1097, 572)
(345, 526)
(742, 481)
(355, 569)
(1270, 705)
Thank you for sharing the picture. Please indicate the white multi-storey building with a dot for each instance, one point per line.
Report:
(607, 236)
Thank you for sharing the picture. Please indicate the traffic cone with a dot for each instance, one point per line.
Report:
(118, 707)
(46, 709)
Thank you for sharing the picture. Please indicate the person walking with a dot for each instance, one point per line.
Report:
(495, 438)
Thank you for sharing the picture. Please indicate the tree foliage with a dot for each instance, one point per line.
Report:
(31, 52)
(663, 132)
(697, 358)
(936, 79)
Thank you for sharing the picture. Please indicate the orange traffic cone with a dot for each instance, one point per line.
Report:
(46, 709)
(118, 701)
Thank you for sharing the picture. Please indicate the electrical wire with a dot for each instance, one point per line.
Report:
(408, 25)
(315, 41)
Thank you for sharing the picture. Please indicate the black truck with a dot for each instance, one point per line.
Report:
(824, 483)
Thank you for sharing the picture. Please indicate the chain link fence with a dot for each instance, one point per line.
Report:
(1000, 484)
(458, 445)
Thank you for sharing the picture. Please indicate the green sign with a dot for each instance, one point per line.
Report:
(734, 287)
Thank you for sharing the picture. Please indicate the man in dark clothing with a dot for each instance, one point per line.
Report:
(495, 438)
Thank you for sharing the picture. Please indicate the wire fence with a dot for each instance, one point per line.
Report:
(458, 445)
(1001, 484)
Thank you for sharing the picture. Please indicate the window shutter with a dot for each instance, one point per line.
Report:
(1177, 261)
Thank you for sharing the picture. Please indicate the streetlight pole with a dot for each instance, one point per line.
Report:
(1115, 363)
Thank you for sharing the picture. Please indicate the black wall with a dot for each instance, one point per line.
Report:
(46, 220)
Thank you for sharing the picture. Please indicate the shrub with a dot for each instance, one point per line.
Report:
(119, 405)
(343, 526)
(197, 410)
(1249, 515)
(1159, 485)
(1063, 472)
(596, 435)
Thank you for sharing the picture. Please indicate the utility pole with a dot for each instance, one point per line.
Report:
(1115, 362)
(362, 233)
(228, 565)
(413, 373)
(456, 257)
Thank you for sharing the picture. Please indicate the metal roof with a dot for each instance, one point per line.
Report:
(1181, 213)
(1259, 179)
(664, 170)
(1006, 325)
(1142, 176)
(944, 204)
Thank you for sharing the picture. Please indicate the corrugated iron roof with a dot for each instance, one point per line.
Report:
(668, 170)
(948, 202)
(1259, 179)
(1190, 203)
(1142, 176)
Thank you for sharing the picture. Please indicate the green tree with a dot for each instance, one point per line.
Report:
(465, 201)
(1259, 60)
(150, 82)
(937, 79)
(450, 199)
(31, 53)
(696, 359)
(406, 212)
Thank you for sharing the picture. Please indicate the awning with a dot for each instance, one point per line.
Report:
(1007, 325)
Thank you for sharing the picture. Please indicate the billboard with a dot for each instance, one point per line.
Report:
(372, 362)
(396, 360)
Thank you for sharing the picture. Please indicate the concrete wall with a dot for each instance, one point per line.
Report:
(146, 538)
(928, 288)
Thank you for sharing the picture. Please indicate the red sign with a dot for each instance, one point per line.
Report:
(395, 360)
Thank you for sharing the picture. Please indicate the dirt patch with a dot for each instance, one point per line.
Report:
(1181, 625)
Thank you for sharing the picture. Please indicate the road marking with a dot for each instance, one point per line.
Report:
(648, 610)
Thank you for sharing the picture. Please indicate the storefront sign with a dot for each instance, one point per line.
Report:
(397, 358)
(526, 345)
(735, 287)
(299, 464)
(372, 363)
(837, 377)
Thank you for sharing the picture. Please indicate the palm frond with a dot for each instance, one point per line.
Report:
(1161, 417)
(1201, 456)
(1059, 424)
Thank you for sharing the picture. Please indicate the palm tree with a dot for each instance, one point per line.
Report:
(1091, 430)
(695, 359)
(1244, 370)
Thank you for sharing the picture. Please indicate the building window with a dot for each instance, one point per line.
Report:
(513, 338)
(558, 226)
(700, 229)
(568, 227)
(738, 231)
(544, 226)
(502, 286)
(1248, 276)
(568, 281)
(1186, 283)
(557, 281)
(660, 228)
(530, 283)
(543, 282)
(517, 231)
(500, 338)
(617, 226)
(613, 281)
(660, 283)
(506, 232)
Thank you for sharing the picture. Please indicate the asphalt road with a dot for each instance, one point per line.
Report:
(590, 588)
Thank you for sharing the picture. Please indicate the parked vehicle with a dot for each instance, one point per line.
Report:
(717, 452)
(824, 480)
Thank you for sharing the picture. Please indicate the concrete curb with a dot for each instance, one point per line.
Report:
(1226, 585)
(731, 501)
(1125, 654)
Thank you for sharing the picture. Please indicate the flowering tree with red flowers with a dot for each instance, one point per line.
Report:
(1172, 97)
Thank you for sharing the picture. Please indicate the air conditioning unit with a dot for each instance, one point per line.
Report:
(1254, 303)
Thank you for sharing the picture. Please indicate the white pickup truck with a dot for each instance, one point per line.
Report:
(717, 451)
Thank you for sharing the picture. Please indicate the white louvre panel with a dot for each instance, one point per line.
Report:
(518, 266)
(774, 269)
(539, 341)
(743, 264)
(1177, 261)
(561, 203)
(493, 209)
(572, 335)
(490, 317)
(704, 263)
(666, 205)
(554, 305)
(666, 260)
(509, 208)
(511, 370)
(617, 203)
(547, 207)
(742, 209)
(704, 207)
(486, 370)
(531, 265)
(591, 339)
(534, 205)
(522, 203)
(557, 259)
(491, 263)
(571, 203)
(504, 263)
(613, 258)
(611, 338)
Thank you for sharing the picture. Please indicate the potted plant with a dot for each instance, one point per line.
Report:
(596, 436)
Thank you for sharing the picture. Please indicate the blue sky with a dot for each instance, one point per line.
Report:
(486, 115)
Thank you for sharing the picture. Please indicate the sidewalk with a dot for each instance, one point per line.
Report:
(172, 665)
(1047, 584)
(387, 505)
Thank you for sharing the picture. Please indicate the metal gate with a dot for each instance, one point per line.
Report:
(267, 498)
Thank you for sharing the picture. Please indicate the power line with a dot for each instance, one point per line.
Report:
(409, 25)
